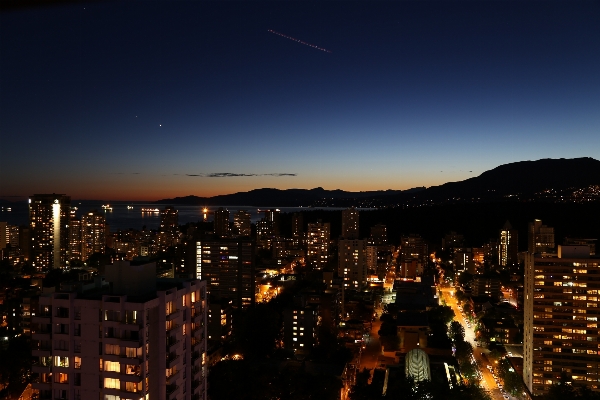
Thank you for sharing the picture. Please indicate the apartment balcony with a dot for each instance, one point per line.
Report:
(173, 345)
(40, 319)
(111, 340)
(129, 377)
(195, 384)
(60, 336)
(60, 320)
(172, 391)
(174, 315)
(36, 384)
(42, 395)
(40, 369)
(130, 360)
(198, 333)
(172, 360)
(130, 342)
(121, 393)
(41, 352)
(41, 336)
(198, 318)
(173, 377)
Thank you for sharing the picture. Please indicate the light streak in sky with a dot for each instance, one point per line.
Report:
(299, 41)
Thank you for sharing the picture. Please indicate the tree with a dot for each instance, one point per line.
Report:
(440, 314)
(513, 383)
(464, 351)
(461, 297)
(561, 390)
(468, 392)
(362, 390)
(257, 330)
(456, 331)
(469, 371)
(468, 310)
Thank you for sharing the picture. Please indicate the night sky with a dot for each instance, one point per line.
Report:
(147, 100)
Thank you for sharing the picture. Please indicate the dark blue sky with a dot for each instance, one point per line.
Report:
(123, 100)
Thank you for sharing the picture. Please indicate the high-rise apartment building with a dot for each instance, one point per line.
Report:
(49, 216)
(227, 265)
(93, 234)
(137, 338)
(87, 235)
(300, 327)
(485, 286)
(75, 242)
(298, 234)
(372, 258)
(413, 247)
(350, 223)
(242, 223)
(451, 241)
(297, 224)
(540, 238)
(561, 319)
(379, 235)
(508, 248)
(591, 243)
(352, 262)
(318, 244)
(4, 235)
(221, 222)
(272, 216)
(168, 232)
(169, 220)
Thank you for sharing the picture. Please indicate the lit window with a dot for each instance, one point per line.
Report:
(110, 383)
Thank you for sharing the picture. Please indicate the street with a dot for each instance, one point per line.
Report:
(488, 382)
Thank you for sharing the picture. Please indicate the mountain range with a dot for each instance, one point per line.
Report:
(553, 180)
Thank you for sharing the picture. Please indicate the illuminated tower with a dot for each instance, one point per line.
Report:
(168, 234)
(350, 223)
(509, 245)
(75, 242)
(93, 234)
(561, 319)
(318, 244)
(49, 221)
(352, 262)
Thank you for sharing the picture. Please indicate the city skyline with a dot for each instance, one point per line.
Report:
(132, 101)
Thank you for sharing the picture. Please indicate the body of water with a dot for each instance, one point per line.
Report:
(122, 215)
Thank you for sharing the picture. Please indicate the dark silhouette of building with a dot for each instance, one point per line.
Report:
(227, 266)
(350, 223)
